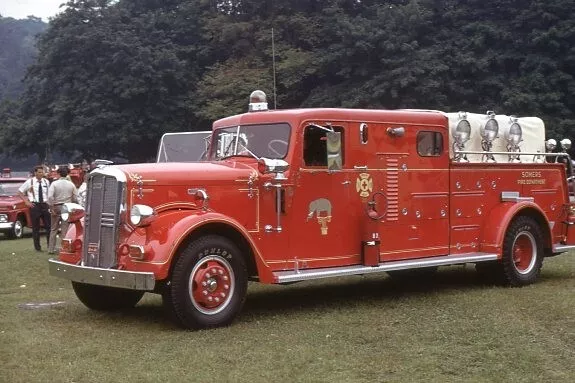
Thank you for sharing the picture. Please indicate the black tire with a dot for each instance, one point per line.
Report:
(17, 231)
(103, 298)
(208, 284)
(522, 252)
(425, 274)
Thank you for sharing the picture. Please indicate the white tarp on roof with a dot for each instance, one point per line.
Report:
(533, 130)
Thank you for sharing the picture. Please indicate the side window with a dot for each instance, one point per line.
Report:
(315, 145)
(429, 144)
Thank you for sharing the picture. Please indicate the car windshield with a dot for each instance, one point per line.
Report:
(183, 147)
(265, 140)
(9, 188)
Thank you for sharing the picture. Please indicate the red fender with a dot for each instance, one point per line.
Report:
(170, 229)
(495, 226)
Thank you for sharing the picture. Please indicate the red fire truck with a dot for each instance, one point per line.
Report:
(14, 214)
(295, 195)
(76, 172)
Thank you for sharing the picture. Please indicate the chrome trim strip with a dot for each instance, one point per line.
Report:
(102, 277)
(513, 196)
(112, 171)
(562, 248)
(303, 275)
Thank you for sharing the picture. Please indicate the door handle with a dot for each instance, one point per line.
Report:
(346, 182)
(360, 167)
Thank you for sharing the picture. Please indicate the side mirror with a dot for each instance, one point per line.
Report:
(277, 166)
(334, 160)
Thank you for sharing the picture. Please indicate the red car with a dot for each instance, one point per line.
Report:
(14, 214)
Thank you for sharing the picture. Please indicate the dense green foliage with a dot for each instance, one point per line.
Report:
(112, 76)
(17, 52)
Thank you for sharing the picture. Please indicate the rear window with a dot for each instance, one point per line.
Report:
(429, 144)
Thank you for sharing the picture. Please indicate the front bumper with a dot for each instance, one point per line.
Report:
(103, 277)
(6, 226)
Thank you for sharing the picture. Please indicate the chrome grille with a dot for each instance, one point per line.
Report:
(102, 221)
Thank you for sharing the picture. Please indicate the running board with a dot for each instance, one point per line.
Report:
(562, 248)
(307, 274)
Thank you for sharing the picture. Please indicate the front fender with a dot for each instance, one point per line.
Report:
(495, 226)
(164, 236)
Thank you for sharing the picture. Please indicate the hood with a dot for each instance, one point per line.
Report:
(182, 173)
(9, 201)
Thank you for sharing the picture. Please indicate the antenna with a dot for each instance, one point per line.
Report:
(274, 68)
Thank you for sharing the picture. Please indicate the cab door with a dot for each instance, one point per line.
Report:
(322, 234)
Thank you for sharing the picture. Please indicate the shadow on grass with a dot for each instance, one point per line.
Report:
(344, 293)
(350, 290)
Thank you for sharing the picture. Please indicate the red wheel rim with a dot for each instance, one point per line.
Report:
(211, 285)
(524, 252)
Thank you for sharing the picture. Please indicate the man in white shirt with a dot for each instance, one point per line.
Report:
(60, 192)
(34, 192)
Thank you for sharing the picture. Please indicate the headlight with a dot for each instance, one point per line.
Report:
(141, 215)
(71, 212)
(3, 218)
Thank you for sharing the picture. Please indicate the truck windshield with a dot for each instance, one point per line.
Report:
(265, 140)
(183, 147)
(9, 188)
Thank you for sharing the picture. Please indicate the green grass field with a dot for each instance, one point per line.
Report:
(355, 329)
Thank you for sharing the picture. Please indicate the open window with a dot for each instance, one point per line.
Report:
(315, 143)
(429, 144)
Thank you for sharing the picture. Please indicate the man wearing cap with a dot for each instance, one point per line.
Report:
(34, 192)
(60, 192)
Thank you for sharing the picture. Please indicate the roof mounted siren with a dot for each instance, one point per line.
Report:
(258, 101)
(489, 133)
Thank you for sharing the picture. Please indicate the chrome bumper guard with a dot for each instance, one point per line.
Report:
(6, 225)
(103, 277)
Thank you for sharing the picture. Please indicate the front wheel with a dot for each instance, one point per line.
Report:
(522, 252)
(105, 298)
(17, 230)
(208, 285)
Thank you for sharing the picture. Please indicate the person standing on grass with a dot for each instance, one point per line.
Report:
(60, 192)
(34, 192)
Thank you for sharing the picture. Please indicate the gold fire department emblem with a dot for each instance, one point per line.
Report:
(364, 185)
(321, 208)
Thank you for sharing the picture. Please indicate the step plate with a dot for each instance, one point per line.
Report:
(307, 274)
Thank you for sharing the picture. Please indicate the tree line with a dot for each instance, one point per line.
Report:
(112, 76)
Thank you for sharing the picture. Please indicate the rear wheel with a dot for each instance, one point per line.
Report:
(208, 285)
(17, 230)
(106, 298)
(522, 252)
